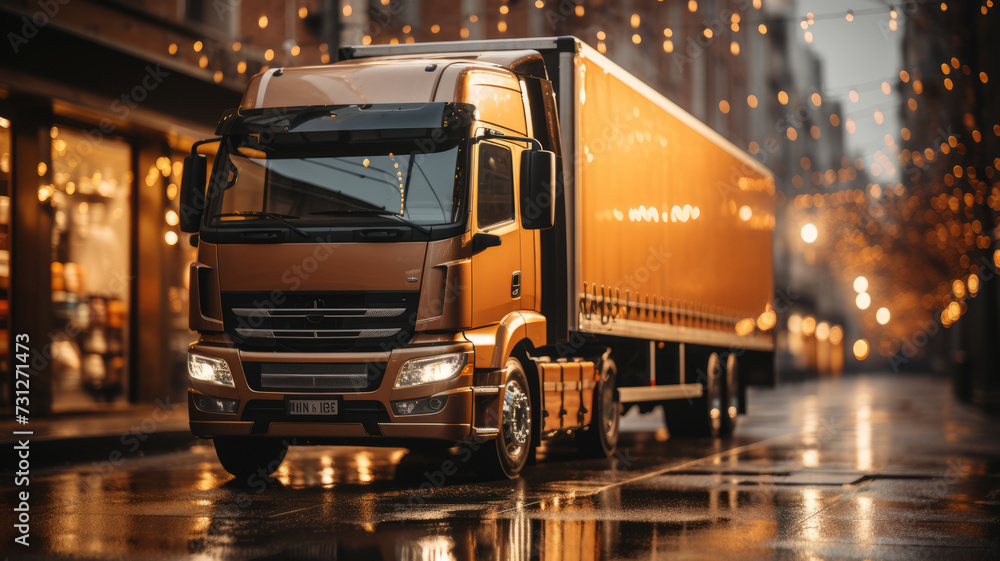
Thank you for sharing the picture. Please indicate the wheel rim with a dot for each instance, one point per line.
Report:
(516, 420)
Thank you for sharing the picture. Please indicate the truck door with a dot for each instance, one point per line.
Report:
(496, 274)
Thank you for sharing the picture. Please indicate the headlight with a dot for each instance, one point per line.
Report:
(211, 370)
(427, 370)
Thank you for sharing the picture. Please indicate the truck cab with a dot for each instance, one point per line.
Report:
(368, 257)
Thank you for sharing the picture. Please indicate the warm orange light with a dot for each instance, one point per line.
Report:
(836, 334)
(863, 301)
(958, 288)
(954, 311)
(822, 331)
(861, 349)
(860, 285)
(745, 327)
(767, 320)
(808, 326)
(262, 22)
(809, 233)
(882, 316)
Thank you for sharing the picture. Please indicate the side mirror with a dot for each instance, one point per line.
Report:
(539, 175)
(481, 242)
(193, 183)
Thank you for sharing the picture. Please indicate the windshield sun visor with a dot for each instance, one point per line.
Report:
(453, 118)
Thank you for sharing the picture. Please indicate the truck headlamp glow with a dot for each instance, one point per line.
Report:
(427, 370)
(208, 369)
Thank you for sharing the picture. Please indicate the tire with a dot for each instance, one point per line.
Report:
(601, 437)
(695, 417)
(504, 456)
(730, 396)
(244, 457)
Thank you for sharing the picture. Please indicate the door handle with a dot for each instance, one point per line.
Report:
(515, 284)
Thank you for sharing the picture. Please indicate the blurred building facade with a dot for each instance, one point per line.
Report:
(96, 114)
(950, 160)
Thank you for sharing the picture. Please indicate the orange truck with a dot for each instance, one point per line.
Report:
(481, 242)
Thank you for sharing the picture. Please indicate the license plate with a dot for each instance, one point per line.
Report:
(312, 406)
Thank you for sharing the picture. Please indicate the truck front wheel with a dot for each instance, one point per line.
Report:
(245, 456)
(601, 436)
(503, 457)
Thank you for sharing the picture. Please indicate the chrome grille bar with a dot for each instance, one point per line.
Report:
(318, 312)
(317, 334)
(329, 381)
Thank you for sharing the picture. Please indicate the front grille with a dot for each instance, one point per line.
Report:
(314, 377)
(316, 321)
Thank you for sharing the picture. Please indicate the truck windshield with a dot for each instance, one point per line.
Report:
(337, 183)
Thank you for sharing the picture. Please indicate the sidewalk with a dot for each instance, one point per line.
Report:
(109, 436)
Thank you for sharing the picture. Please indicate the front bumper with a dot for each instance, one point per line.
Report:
(366, 415)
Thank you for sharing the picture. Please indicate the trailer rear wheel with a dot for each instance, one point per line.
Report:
(601, 436)
(503, 457)
(702, 416)
(731, 396)
(245, 456)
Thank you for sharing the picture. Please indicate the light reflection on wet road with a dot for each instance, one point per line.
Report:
(875, 467)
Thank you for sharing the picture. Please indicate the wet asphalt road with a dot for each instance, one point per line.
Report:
(873, 467)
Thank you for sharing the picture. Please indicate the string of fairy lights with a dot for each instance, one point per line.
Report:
(866, 226)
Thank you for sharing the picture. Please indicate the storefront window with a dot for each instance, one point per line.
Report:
(91, 271)
(5, 229)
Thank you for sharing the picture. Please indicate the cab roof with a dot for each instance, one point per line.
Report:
(388, 79)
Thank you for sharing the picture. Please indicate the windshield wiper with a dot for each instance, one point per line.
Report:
(282, 218)
(372, 212)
